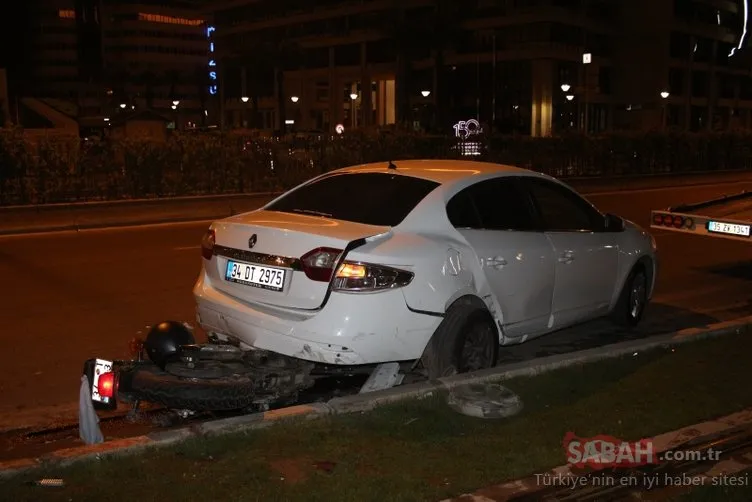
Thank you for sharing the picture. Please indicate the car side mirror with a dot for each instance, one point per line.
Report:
(613, 223)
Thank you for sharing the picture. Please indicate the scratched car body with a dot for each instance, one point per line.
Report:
(436, 263)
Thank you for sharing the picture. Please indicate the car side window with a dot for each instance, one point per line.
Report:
(563, 210)
(462, 212)
(496, 204)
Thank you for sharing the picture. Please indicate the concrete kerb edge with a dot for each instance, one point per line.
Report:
(127, 446)
(367, 402)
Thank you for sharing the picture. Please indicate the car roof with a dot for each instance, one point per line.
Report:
(441, 171)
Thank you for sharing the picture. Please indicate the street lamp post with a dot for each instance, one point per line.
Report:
(664, 97)
(587, 58)
(353, 109)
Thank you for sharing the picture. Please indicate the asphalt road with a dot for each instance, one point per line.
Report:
(68, 296)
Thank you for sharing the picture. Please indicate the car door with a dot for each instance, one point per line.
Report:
(586, 255)
(497, 220)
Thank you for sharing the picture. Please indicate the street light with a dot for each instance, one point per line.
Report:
(176, 103)
(570, 97)
(565, 87)
(425, 93)
(244, 99)
(174, 107)
(123, 105)
(665, 94)
(353, 96)
(294, 99)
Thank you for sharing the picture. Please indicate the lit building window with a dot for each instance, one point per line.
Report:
(157, 18)
(66, 14)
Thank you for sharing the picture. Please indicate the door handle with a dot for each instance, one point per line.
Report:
(566, 257)
(496, 262)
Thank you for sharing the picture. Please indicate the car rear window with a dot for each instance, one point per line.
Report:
(370, 198)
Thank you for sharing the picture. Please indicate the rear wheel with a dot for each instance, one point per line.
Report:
(632, 300)
(466, 340)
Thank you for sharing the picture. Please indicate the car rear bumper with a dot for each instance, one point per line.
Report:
(351, 329)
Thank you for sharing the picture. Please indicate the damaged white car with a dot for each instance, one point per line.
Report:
(420, 268)
(434, 264)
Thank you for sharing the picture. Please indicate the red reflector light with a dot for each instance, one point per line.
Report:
(319, 263)
(668, 220)
(657, 219)
(678, 221)
(207, 244)
(107, 384)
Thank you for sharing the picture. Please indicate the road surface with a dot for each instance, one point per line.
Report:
(69, 296)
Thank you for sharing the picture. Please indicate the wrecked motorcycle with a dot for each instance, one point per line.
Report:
(170, 369)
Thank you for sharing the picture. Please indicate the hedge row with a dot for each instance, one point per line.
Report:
(54, 169)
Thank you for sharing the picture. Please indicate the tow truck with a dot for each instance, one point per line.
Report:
(727, 217)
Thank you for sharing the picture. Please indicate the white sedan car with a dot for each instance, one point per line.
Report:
(430, 262)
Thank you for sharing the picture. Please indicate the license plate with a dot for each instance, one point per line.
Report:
(720, 227)
(257, 276)
(100, 366)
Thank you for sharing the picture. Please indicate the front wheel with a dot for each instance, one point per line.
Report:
(632, 300)
(466, 340)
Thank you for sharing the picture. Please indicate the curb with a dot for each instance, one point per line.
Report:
(528, 486)
(369, 401)
(129, 446)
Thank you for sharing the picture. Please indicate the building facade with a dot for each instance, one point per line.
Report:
(516, 66)
(101, 57)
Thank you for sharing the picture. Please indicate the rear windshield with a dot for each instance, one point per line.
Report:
(370, 198)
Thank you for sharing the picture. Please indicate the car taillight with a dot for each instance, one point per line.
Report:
(364, 277)
(318, 264)
(107, 385)
(657, 219)
(207, 244)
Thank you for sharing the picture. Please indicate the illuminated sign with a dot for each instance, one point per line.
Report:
(212, 61)
(465, 128)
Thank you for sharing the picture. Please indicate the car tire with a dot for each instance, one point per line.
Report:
(466, 340)
(220, 394)
(632, 300)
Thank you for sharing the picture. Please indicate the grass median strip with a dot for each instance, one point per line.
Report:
(421, 449)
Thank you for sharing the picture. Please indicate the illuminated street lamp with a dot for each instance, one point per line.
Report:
(107, 119)
(665, 94)
(176, 103)
(244, 99)
(123, 105)
(570, 97)
(565, 87)
(174, 107)
(353, 96)
(294, 99)
(425, 93)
